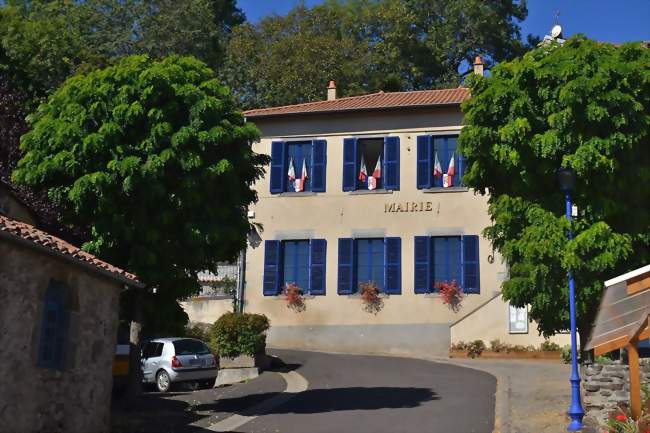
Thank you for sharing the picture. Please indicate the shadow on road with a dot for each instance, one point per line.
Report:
(328, 400)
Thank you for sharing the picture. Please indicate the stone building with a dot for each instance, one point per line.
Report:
(58, 325)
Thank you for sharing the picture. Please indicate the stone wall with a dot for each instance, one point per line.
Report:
(605, 386)
(78, 398)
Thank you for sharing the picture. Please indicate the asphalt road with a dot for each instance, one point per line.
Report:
(344, 394)
(359, 394)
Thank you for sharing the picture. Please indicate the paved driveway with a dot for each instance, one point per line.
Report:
(359, 394)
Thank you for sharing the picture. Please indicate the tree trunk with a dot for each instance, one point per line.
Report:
(586, 356)
(135, 370)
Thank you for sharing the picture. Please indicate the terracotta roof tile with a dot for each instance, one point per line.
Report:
(40, 238)
(373, 101)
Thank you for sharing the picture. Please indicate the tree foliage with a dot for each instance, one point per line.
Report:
(43, 42)
(155, 159)
(584, 105)
(367, 46)
(12, 126)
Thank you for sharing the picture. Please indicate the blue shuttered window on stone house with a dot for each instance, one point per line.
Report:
(445, 148)
(446, 258)
(390, 164)
(314, 155)
(54, 328)
(376, 259)
(301, 262)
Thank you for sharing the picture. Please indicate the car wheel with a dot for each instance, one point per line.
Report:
(163, 382)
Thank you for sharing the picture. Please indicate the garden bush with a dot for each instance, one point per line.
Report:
(566, 354)
(548, 346)
(239, 334)
(461, 346)
(475, 348)
(498, 346)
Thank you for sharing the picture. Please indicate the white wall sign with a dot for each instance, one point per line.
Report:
(518, 323)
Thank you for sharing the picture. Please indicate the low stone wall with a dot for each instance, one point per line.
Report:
(605, 386)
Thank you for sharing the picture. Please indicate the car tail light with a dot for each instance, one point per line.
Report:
(176, 363)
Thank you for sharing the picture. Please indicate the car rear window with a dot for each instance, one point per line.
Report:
(190, 347)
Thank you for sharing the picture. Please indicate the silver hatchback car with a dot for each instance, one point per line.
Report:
(171, 360)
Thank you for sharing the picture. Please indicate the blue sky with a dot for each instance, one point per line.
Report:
(604, 20)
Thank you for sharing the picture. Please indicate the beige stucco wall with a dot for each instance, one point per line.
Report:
(336, 214)
(491, 322)
(206, 310)
(34, 399)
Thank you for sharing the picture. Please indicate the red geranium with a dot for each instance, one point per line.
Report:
(370, 297)
(451, 294)
(295, 300)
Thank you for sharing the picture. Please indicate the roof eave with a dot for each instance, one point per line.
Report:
(49, 251)
(352, 110)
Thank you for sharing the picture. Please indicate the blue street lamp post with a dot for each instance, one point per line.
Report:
(567, 180)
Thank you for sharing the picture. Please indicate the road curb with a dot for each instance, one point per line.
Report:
(296, 383)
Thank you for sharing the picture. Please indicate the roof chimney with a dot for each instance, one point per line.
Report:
(478, 66)
(331, 90)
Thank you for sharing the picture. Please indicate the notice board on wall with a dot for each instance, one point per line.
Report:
(518, 320)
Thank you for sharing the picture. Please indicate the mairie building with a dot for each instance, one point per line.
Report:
(369, 189)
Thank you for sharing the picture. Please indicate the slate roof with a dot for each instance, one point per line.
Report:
(373, 101)
(39, 239)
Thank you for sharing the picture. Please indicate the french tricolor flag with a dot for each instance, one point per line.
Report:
(363, 172)
(292, 172)
(448, 178)
(437, 168)
(300, 183)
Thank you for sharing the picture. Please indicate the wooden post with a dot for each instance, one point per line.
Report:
(635, 380)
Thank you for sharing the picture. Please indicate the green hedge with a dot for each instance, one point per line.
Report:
(239, 334)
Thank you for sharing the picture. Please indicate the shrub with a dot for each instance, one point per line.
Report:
(548, 346)
(566, 354)
(606, 358)
(240, 334)
(475, 348)
(498, 346)
(461, 346)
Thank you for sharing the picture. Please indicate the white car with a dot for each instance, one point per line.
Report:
(172, 360)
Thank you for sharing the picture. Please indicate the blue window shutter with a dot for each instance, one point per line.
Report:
(424, 168)
(349, 164)
(422, 265)
(272, 265)
(391, 163)
(393, 266)
(470, 266)
(54, 326)
(318, 165)
(317, 259)
(346, 266)
(277, 167)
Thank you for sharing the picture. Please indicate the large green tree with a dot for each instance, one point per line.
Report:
(42, 42)
(583, 105)
(367, 46)
(154, 158)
